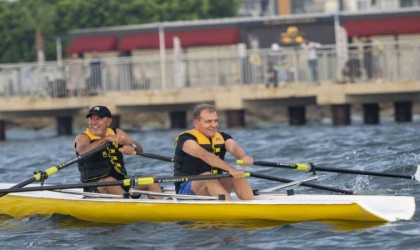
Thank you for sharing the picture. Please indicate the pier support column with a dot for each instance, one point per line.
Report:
(178, 119)
(235, 118)
(64, 125)
(2, 130)
(297, 115)
(115, 121)
(403, 111)
(341, 114)
(371, 113)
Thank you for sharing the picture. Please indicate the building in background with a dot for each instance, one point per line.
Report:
(401, 25)
(283, 22)
(254, 49)
(255, 8)
(242, 37)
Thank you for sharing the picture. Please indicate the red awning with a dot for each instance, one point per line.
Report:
(400, 25)
(187, 38)
(205, 37)
(100, 43)
(139, 41)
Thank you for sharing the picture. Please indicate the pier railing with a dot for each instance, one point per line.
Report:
(280, 67)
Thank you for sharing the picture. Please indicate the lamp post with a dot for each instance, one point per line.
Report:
(58, 47)
(162, 54)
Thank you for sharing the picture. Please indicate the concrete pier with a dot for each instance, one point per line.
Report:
(403, 111)
(232, 99)
(296, 115)
(64, 125)
(178, 119)
(371, 113)
(341, 114)
(2, 130)
(235, 118)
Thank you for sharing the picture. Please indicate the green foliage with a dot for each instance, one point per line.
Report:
(218, 8)
(19, 19)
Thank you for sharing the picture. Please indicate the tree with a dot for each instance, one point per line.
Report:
(21, 20)
(39, 16)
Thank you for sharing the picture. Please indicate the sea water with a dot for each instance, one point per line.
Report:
(388, 147)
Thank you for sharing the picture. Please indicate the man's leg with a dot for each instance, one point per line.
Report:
(209, 187)
(241, 187)
(118, 190)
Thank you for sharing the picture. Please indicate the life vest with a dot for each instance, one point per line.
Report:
(188, 165)
(99, 165)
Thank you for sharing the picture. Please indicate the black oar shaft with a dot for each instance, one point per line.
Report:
(126, 182)
(84, 156)
(311, 167)
(274, 164)
(58, 187)
(272, 178)
(192, 178)
(156, 157)
(360, 172)
(22, 184)
(54, 169)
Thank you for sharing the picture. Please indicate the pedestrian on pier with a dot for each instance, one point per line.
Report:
(311, 55)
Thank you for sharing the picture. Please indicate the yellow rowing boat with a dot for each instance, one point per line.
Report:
(275, 207)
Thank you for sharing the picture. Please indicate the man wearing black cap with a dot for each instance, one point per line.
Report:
(107, 165)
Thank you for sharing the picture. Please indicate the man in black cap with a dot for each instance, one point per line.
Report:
(100, 111)
(107, 165)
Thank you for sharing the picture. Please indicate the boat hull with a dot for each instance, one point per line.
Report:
(275, 207)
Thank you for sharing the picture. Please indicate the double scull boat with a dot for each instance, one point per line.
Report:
(270, 206)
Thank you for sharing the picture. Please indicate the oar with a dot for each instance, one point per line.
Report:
(131, 182)
(272, 178)
(309, 167)
(156, 157)
(42, 175)
(266, 177)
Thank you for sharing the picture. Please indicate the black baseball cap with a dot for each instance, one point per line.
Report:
(100, 111)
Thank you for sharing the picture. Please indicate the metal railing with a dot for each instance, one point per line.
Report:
(394, 63)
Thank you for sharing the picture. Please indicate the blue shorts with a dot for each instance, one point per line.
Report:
(185, 188)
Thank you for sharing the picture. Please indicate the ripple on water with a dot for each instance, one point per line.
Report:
(392, 147)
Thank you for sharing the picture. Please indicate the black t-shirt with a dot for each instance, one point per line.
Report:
(185, 137)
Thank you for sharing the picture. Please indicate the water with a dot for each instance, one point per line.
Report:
(388, 147)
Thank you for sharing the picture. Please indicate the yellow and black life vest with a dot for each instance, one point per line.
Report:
(188, 165)
(99, 165)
